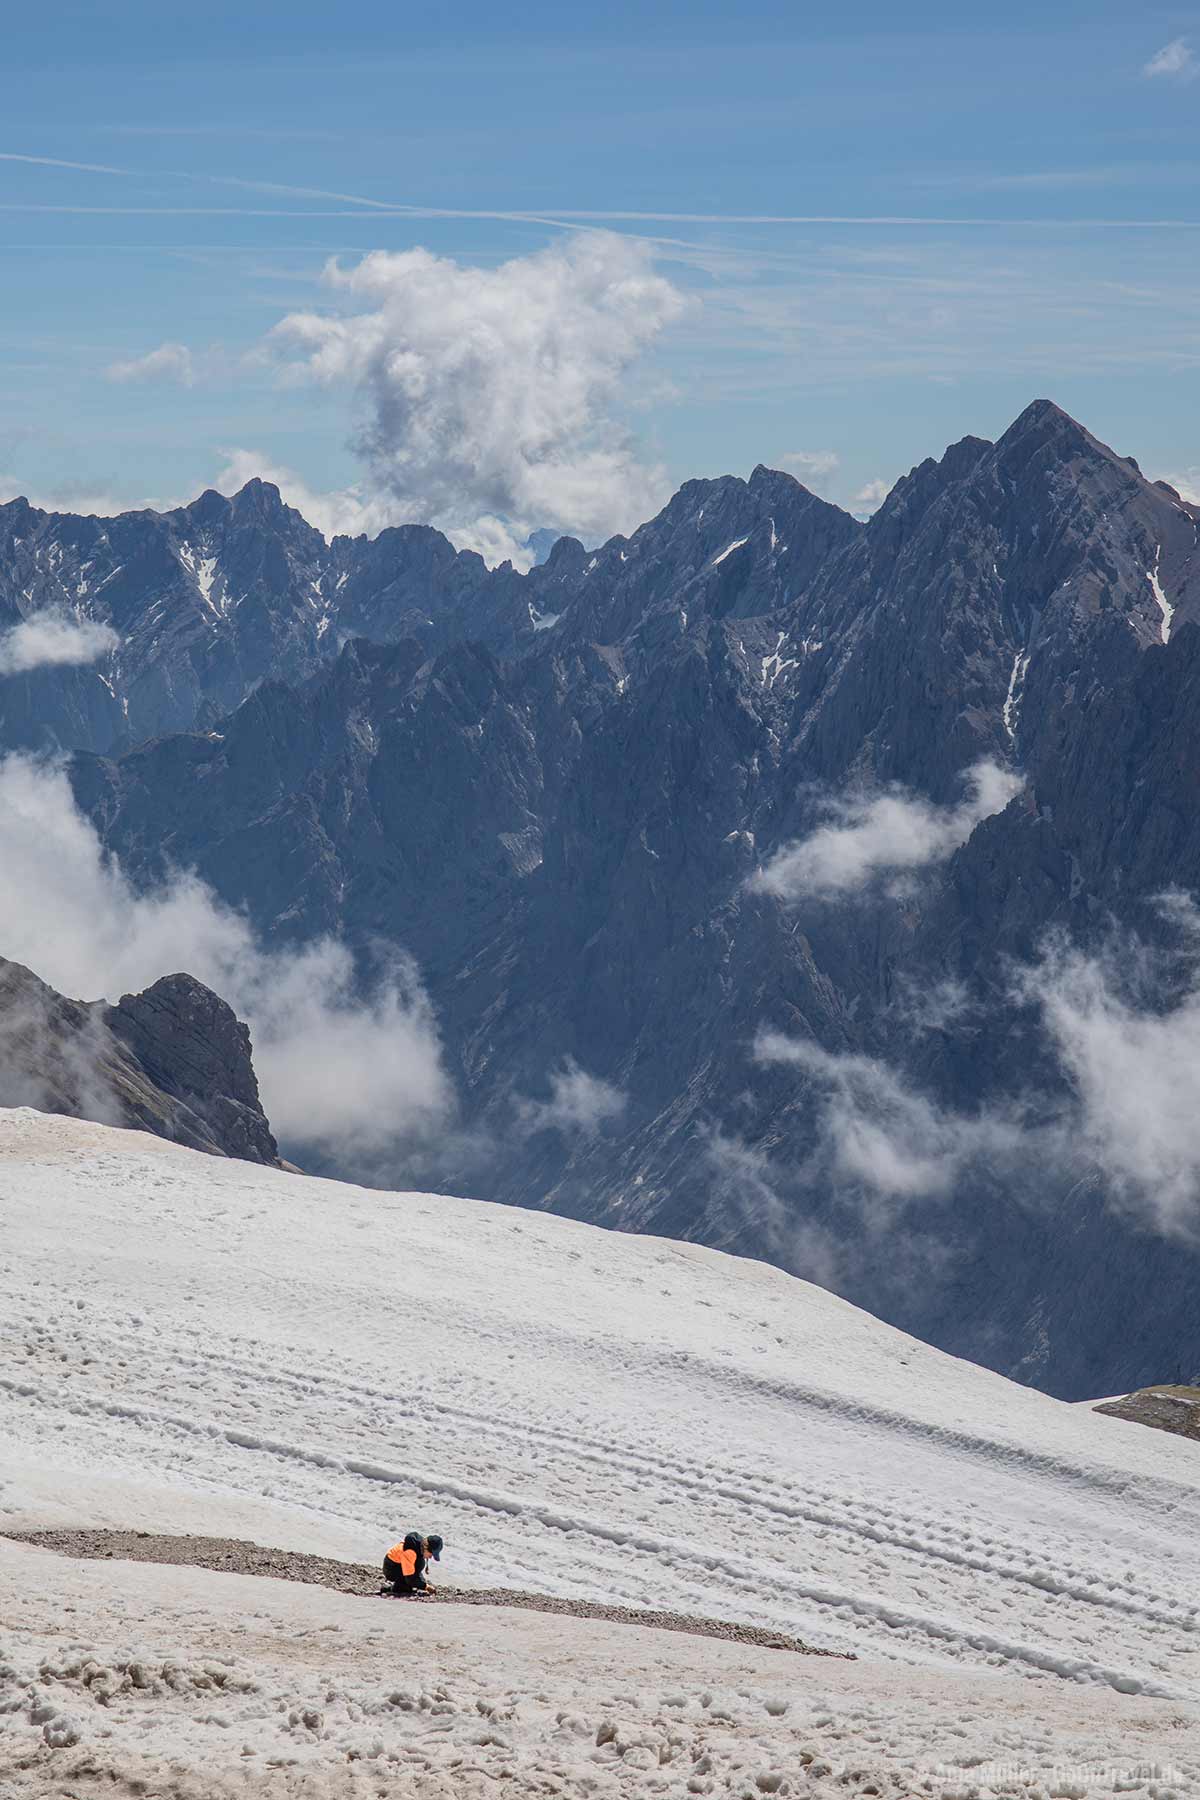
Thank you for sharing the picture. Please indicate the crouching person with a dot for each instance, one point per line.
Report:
(405, 1564)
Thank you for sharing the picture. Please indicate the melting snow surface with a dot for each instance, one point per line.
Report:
(1165, 606)
(199, 1344)
(540, 621)
(728, 551)
(1016, 682)
(183, 1682)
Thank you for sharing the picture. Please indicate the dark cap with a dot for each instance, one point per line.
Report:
(436, 1546)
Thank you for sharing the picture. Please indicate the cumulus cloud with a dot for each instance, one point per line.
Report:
(492, 398)
(342, 1072)
(1125, 1027)
(336, 512)
(1121, 1028)
(885, 1136)
(53, 639)
(579, 1104)
(870, 497)
(890, 834)
(86, 497)
(812, 463)
(1176, 61)
(170, 362)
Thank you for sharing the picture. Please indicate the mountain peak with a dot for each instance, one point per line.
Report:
(209, 506)
(1044, 426)
(262, 496)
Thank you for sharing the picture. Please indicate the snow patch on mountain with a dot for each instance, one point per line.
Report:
(1165, 606)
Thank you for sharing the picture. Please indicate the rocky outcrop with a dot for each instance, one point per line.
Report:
(195, 1049)
(1174, 1409)
(174, 1061)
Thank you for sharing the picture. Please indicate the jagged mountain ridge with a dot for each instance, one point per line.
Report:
(211, 599)
(557, 811)
(173, 1061)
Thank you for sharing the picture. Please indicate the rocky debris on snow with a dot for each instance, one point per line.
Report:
(1175, 1409)
(168, 1683)
(235, 1556)
(174, 1061)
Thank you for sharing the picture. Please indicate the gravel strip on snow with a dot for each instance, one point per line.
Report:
(236, 1556)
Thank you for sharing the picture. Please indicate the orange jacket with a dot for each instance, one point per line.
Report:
(405, 1560)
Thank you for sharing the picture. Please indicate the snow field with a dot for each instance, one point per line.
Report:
(197, 1345)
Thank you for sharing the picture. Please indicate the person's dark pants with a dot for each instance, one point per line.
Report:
(403, 1584)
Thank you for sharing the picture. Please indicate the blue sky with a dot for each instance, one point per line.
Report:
(883, 227)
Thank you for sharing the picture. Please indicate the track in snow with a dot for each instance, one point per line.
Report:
(593, 1416)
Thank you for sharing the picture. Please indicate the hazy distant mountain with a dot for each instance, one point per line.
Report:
(173, 1061)
(553, 789)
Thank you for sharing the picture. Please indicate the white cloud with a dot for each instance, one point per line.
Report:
(350, 512)
(170, 362)
(1122, 1026)
(579, 1103)
(869, 498)
(888, 834)
(812, 463)
(340, 1073)
(54, 639)
(746, 1179)
(345, 511)
(492, 397)
(879, 1134)
(1175, 60)
(84, 497)
(1125, 1026)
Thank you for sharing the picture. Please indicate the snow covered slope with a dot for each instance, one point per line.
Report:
(200, 1345)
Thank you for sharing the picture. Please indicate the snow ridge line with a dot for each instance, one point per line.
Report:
(938, 1630)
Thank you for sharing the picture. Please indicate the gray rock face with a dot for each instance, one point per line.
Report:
(173, 1061)
(212, 599)
(552, 788)
(193, 1047)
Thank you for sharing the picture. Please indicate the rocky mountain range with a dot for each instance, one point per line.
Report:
(559, 791)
